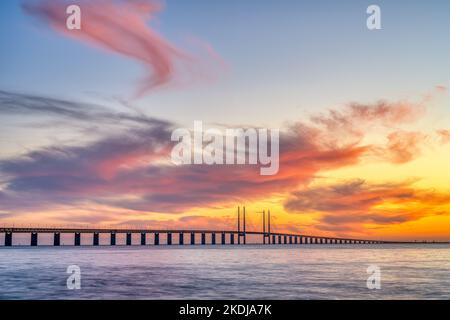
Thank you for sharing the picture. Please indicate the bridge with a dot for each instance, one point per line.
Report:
(212, 237)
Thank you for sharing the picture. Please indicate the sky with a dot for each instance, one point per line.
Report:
(86, 115)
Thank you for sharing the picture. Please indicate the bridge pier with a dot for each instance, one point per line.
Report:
(290, 239)
(213, 238)
(231, 238)
(128, 238)
(56, 239)
(77, 240)
(95, 239)
(113, 239)
(34, 239)
(203, 238)
(181, 238)
(143, 238)
(296, 239)
(8, 239)
(192, 238)
(273, 240)
(156, 241)
(169, 239)
(223, 238)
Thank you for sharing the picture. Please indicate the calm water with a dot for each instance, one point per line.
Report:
(251, 272)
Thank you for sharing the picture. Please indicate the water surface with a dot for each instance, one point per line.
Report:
(227, 272)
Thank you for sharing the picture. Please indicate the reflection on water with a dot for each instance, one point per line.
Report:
(251, 272)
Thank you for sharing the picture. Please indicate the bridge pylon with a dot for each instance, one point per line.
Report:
(241, 234)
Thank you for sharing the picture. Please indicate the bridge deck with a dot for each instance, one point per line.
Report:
(183, 231)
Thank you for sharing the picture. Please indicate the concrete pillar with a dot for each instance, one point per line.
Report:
(213, 238)
(128, 238)
(181, 238)
(301, 240)
(8, 239)
(156, 239)
(203, 238)
(192, 238)
(34, 239)
(231, 238)
(95, 240)
(223, 238)
(279, 239)
(113, 239)
(169, 239)
(273, 240)
(143, 239)
(56, 239)
(77, 239)
(290, 239)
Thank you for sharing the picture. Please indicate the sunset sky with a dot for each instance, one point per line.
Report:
(86, 115)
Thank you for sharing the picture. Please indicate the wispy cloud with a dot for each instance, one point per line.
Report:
(123, 27)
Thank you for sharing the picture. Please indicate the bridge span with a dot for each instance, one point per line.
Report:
(177, 236)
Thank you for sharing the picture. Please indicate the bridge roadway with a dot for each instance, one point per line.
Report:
(268, 238)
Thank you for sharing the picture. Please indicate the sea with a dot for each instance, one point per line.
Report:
(388, 271)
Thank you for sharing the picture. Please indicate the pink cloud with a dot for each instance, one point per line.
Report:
(121, 27)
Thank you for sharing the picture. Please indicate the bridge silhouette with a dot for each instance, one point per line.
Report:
(215, 237)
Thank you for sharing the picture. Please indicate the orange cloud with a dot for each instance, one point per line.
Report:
(444, 135)
(404, 146)
(356, 203)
